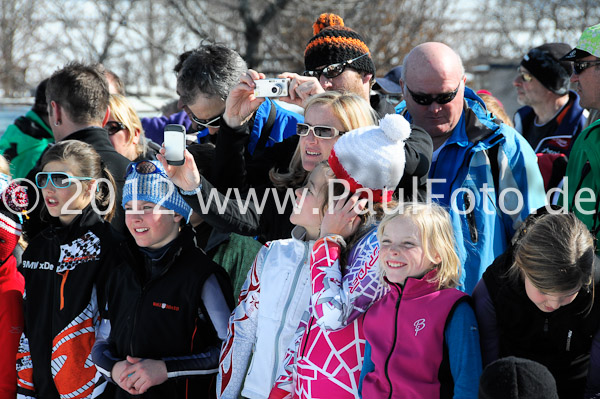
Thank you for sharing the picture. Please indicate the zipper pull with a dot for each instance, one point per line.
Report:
(569, 335)
(546, 325)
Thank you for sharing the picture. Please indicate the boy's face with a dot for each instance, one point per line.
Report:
(150, 225)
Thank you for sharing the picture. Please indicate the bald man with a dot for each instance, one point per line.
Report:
(482, 170)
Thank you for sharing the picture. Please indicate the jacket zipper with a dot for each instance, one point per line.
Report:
(287, 305)
(387, 361)
(142, 295)
(470, 218)
(307, 333)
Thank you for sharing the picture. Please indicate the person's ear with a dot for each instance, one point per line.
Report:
(177, 217)
(367, 78)
(55, 113)
(135, 139)
(92, 187)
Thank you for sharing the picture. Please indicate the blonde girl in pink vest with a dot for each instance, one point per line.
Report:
(422, 336)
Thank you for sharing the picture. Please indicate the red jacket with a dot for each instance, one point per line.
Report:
(11, 324)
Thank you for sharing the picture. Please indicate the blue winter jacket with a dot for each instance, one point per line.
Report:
(484, 221)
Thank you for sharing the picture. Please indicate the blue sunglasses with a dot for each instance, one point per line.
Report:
(58, 179)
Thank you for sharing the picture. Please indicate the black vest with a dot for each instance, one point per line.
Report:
(560, 340)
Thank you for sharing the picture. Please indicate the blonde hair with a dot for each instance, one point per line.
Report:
(4, 166)
(351, 110)
(123, 112)
(437, 238)
(556, 253)
(496, 108)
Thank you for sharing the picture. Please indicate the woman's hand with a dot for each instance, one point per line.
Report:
(344, 218)
(241, 103)
(301, 88)
(141, 374)
(185, 176)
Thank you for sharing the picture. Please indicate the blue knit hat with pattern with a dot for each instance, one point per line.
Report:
(153, 186)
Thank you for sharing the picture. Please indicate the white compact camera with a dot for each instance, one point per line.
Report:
(271, 87)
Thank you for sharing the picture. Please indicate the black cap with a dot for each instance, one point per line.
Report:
(515, 378)
(575, 54)
(544, 64)
(389, 84)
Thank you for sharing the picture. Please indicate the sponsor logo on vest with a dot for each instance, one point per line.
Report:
(27, 264)
(163, 305)
(419, 325)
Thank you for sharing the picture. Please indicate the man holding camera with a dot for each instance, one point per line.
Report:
(207, 76)
(337, 58)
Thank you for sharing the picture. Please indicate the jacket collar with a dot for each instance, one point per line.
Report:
(415, 287)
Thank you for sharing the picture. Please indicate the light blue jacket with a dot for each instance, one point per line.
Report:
(464, 162)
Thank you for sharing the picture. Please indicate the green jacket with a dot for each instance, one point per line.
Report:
(583, 172)
(236, 256)
(23, 142)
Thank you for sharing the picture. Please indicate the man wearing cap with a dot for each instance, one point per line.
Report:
(550, 109)
(583, 169)
(482, 169)
(552, 116)
(337, 58)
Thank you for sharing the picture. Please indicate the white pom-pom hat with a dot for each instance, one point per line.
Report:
(372, 157)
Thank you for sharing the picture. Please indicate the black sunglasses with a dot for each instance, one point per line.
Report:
(213, 122)
(428, 99)
(114, 127)
(333, 70)
(580, 66)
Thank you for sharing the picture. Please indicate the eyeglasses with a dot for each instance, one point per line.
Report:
(580, 66)
(322, 132)
(428, 99)
(114, 127)
(214, 122)
(333, 70)
(525, 76)
(58, 179)
(144, 168)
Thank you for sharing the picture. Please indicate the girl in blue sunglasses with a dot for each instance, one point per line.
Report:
(63, 267)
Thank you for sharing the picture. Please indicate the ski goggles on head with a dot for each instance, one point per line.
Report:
(145, 168)
(58, 179)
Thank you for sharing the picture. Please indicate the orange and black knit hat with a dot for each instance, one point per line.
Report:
(334, 43)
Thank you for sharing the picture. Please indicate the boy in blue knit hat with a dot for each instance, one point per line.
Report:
(166, 303)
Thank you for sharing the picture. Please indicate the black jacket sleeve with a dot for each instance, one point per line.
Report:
(263, 212)
(234, 166)
(418, 150)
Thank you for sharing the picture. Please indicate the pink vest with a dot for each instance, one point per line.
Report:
(406, 332)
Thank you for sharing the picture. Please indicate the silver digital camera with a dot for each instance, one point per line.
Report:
(271, 87)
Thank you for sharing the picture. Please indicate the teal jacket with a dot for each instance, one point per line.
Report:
(481, 151)
(23, 142)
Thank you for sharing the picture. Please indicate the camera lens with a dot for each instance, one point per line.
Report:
(276, 89)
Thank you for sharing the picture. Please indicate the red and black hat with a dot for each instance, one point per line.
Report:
(334, 43)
